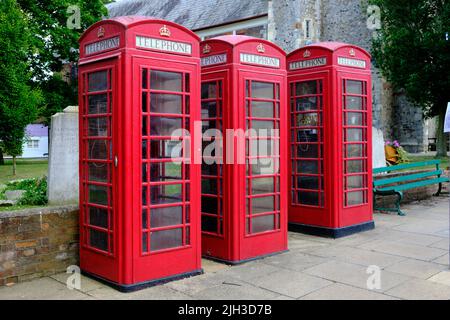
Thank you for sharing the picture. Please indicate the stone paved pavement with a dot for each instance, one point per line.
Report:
(411, 251)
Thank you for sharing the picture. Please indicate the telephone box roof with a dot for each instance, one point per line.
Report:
(331, 46)
(235, 40)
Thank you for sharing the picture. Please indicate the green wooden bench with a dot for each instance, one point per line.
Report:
(411, 180)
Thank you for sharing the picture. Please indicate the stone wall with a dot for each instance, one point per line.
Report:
(37, 242)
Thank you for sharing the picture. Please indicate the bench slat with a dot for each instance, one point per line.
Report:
(409, 177)
(407, 166)
(416, 184)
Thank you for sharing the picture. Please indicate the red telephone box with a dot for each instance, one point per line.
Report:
(139, 81)
(244, 192)
(330, 140)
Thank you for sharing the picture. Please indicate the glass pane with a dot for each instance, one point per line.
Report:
(307, 104)
(98, 81)
(354, 87)
(144, 78)
(98, 194)
(355, 198)
(308, 150)
(307, 87)
(98, 127)
(210, 205)
(97, 104)
(308, 120)
(168, 216)
(263, 128)
(354, 135)
(164, 171)
(187, 82)
(264, 166)
(98, 149)
(145, 242)
(308, 182)
(261, 109)
(166, 239)
(209, 186)
(163, 80)
(308, 198)
(355, 182)
(209, 110)
(211, 170)
(165, 103)
(160, 149)
(98, 217)
(209, 90)
(98, 239)
(209, 224)
(263, 90)
(262, 185)
(144, 102)
(355, 166)
(263, 147)
(308, 166)
(163, 126)
(98, 172)
(144, 219)
(353, 103)
(263, 204)
(355, 150)
(354, 118)
(166, 194)
(263, 223)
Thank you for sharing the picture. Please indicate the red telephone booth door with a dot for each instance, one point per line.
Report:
(311, 117)
(98, 175)
(168, 185)
(260, 219)
(215, 193)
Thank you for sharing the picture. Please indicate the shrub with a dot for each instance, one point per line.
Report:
(35, 190)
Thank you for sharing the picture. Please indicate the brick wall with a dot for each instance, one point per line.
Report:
(37, 242)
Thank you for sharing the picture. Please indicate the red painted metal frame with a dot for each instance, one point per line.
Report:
(235, 244)
(125, 264)
(333, 215)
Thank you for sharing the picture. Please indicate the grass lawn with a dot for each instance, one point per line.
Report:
(25, 169)
(445, 161)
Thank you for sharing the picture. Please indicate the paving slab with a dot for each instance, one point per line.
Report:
(291, 283)
(40, 289)
(86, 284)
(442, 278)
(358, 256)
(419, 289)
(235, 290)
(416, 268)
(444, 260)
(403, 249)
(161, 292)
(194, 285)
(443, 244)
(297, 262)
(249, 270)
(339, 291)
(354, 275)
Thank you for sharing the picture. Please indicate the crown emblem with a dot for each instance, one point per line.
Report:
(101, 32)
(352, 52)
(206, 48)
(164, 31)
(306, 54)
(260, 48)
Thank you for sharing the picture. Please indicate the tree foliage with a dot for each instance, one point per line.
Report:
(413, 54)
(18, 100)
(55, 43)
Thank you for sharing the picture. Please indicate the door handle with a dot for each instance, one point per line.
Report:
(116, 161)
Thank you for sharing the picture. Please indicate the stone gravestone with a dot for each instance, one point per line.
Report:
(63, 158)
(378, 156)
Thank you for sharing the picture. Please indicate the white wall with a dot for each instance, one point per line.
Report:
(36, 152)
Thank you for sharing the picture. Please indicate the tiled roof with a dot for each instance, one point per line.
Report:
(193, 14)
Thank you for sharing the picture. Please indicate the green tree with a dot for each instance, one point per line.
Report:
(18, 101)
(56, 44)
(413, 54)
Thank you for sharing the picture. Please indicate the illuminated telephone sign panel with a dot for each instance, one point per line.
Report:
(139, 95)
(330, 123)
(244, 180)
